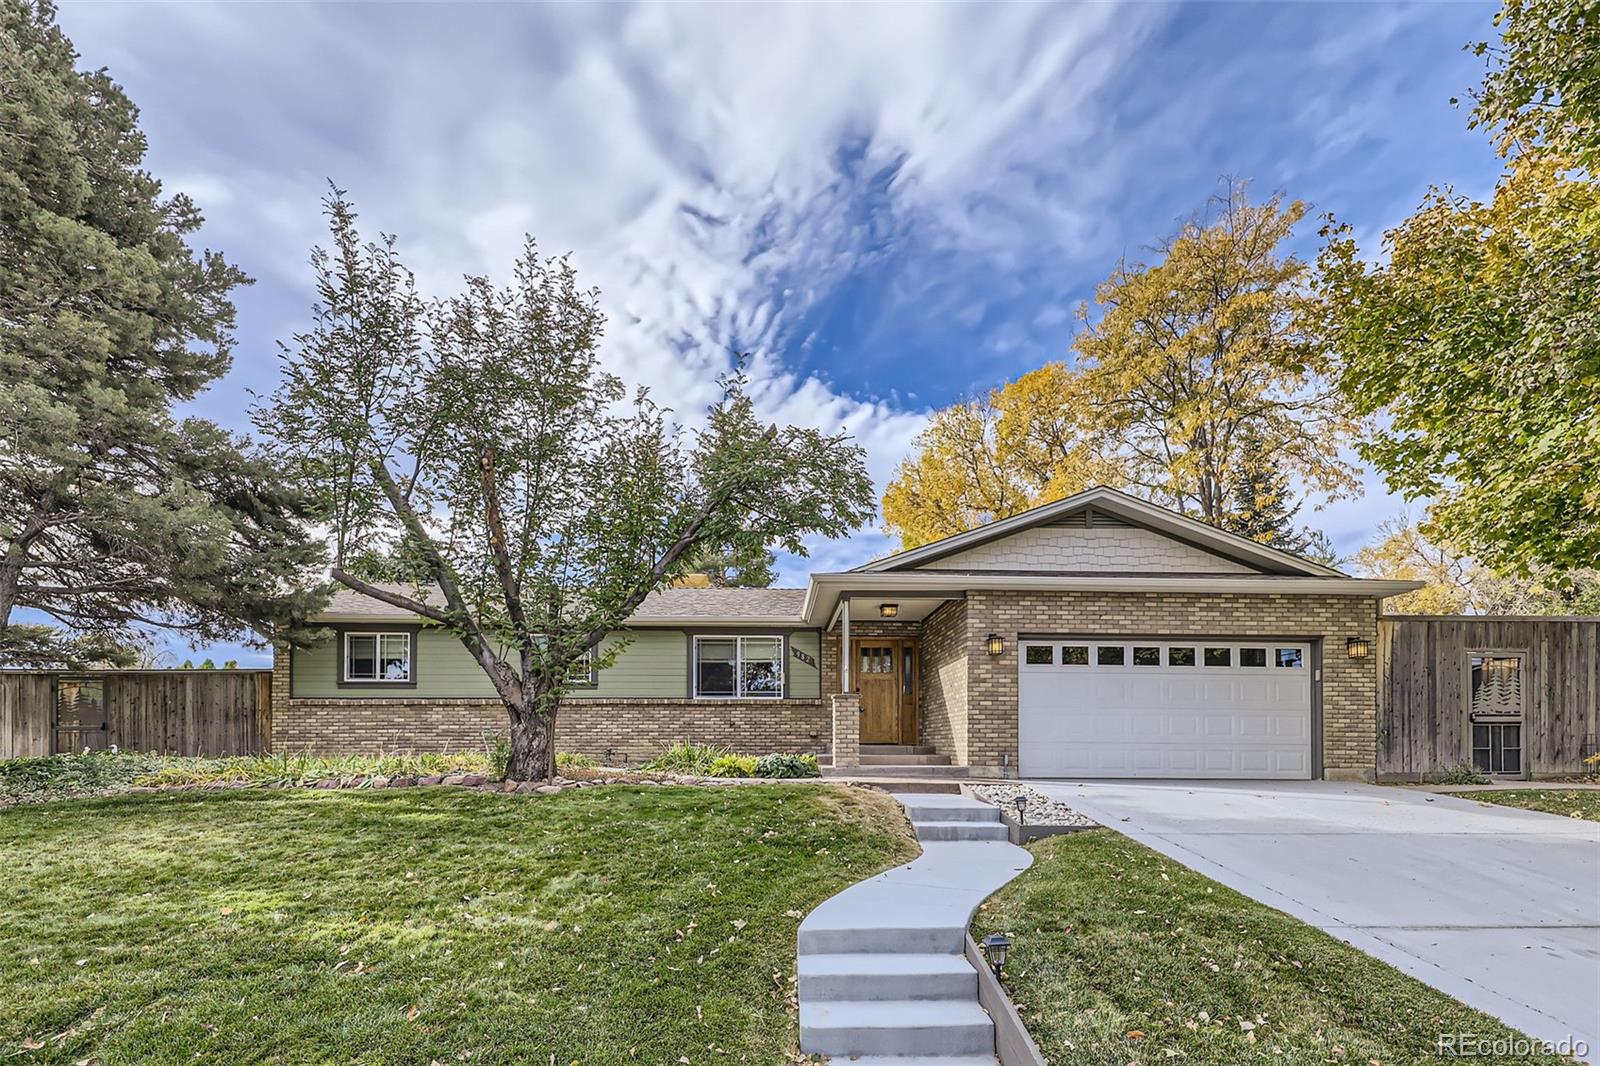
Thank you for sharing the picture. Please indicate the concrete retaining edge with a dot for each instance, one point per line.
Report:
(1012, 1044)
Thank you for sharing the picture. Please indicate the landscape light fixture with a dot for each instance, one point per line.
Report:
(888, 610)
(1357, 647)
(1022, 809)
(995, 946)
(995, 643)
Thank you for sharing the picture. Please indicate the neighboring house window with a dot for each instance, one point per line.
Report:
(377, 657)
(738, 667)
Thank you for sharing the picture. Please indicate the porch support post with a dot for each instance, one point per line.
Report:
(846, 702)
(844, 646)
(846, 729)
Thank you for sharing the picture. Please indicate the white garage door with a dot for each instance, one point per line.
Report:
(1156, 708)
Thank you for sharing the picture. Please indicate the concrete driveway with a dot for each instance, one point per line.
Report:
(1495, 906)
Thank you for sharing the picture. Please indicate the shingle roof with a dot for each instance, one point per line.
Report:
(680, 605)
(690, 605)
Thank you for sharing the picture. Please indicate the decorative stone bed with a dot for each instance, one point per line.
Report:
(1041, 811)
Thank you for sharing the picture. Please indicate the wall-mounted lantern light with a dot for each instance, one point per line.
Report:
(995, 644)
(888, 610)
(1358, 647)
(995, 946)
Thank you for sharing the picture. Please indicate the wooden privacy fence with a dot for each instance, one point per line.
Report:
(173, 712)
(1457, 690)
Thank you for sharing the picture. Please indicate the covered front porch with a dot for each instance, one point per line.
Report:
(890, 664)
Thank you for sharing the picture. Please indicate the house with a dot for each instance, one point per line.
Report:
(1097, 636)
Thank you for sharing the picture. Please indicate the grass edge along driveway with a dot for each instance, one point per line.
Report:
(1123, 957)
(616, 924)
(1580, 803)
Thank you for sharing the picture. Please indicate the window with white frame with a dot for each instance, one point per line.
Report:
(736, 667)
(377, 657)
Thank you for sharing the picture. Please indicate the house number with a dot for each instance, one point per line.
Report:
(803, 657)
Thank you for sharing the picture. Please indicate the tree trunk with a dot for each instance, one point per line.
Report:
(533, 744)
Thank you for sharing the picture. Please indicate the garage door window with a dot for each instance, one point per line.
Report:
(1110, 654)
(1146, 656)
(1293, 658)
(1219, 656)
(1253, 657)
(1180, 657)
(1040, 654)
(1074, 655)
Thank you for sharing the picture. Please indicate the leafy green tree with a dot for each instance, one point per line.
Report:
(113, 512)
(1541, 92)
(531, 501)
(1478, 340)
(726, 569)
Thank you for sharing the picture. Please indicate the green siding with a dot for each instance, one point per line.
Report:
(805, 682)
(654, 664)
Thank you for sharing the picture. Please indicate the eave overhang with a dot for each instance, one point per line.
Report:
(826, 590)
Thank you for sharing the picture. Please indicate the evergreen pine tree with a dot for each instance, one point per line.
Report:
(114, 512)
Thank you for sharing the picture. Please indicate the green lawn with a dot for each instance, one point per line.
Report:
(1572, 802)
(1121, 956)
(620, 924)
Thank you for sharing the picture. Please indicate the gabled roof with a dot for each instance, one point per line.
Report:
(1120, 506)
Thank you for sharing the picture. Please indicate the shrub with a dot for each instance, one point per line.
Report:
(787, 766)
(1462, 774)
(571, 760)
(498, 745)
(733, 766)
(52, 776)
(688, 759)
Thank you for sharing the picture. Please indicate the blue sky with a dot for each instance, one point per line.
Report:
(892, 205)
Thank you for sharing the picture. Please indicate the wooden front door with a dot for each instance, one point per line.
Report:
(884, 675)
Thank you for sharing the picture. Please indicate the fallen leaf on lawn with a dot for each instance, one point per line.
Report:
(1135, 1034)
(739, 923)
(1246, 1026)
(412, 1012)
(31, 1044)
(224, 911)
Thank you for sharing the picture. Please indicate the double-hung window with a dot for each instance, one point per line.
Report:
(377, 658)
(738, 668)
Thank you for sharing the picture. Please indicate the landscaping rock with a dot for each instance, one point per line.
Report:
(548, 790)
(473, 780)
(454, 779)
(507, 786)
(402, 782)
(431, 779)
(527, 788)
(378, 782)
(1041, 809)
(328, 782)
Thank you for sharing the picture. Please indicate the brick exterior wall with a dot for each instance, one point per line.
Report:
(1349, 686)
(942, 717)
(968, 698)
(634, 729)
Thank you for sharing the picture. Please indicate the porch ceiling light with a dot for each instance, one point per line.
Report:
(888, 610)
(995, 644)
(1358, 647)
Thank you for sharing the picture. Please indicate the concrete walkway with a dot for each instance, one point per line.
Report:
(1496, 906)
(883, 975)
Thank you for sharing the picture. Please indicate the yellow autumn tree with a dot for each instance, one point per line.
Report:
(1186, 373)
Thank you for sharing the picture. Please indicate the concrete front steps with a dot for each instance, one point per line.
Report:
(884, 979)
(902, 767)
